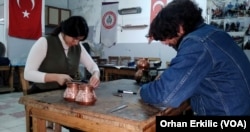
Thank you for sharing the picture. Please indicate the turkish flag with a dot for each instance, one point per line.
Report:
(25, 18)
(156, 6)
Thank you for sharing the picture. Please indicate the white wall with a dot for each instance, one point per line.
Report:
(130, 41)
(2, 34)
(1, 18)
(2, 25)
(1, 10)
(57, 3)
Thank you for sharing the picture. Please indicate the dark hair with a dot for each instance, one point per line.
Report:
(74, 26)
(178, 12)
(2, 49)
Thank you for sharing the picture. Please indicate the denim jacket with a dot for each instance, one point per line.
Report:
(210, 69)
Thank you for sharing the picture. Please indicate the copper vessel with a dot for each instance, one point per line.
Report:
(143, 64)
(71, 91)
(138, 75)
(86, 95)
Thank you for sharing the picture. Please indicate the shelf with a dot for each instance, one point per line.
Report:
(126, 11)
(134, 26)
(54, 15)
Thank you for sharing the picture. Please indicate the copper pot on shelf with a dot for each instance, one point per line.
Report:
(143, 64)
(71, 91)
(86, 95)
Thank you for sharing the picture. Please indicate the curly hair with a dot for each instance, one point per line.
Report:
(178, 12)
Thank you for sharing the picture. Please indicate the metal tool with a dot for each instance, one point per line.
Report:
(126, 91)
(117, 94)
(117, 108)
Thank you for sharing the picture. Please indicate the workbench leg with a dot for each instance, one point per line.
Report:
(38, 125)
(31, 128)
(58, 127)
(28, 120)
(106, 76)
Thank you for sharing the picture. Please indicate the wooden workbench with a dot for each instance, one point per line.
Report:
(136, 117)
(109, 71)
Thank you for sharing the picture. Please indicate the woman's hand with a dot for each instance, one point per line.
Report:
(94, 80)
(61, 79)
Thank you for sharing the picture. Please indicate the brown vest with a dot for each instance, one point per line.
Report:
(57, 62)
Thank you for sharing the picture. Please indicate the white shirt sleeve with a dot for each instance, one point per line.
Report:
(87, 61)
(35, 58)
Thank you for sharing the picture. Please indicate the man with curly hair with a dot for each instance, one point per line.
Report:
(210, 69)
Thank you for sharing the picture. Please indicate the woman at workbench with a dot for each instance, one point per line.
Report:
(54, 60)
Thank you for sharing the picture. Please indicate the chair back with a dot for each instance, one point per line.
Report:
(124, 60)
(153, 60)
(103, 61)
(114, 60)
(96, 59)
(150, 59)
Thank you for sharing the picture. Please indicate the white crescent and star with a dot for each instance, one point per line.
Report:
(26, 13)
(158, 3)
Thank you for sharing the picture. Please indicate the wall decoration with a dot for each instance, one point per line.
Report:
(109, 24)
(25, 19)
(233, 16)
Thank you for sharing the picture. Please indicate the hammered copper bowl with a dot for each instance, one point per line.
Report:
(71, 91)
(143, 64)
(86, 95)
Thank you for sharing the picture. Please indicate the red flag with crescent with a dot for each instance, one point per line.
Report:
(156, 6)
(25, 18)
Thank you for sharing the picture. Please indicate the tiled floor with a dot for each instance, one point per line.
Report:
(12, 115)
